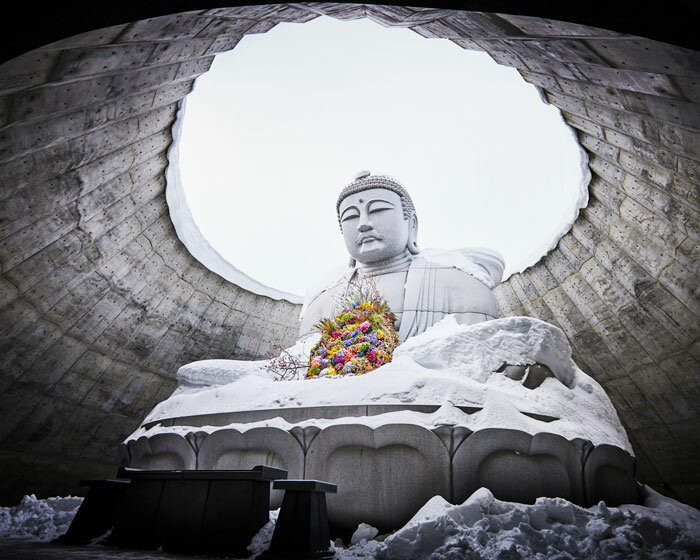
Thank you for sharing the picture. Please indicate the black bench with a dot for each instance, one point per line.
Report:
(97, 512)
(301, 531)
(205, 511)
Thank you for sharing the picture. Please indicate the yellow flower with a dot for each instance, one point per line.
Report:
(380, 335)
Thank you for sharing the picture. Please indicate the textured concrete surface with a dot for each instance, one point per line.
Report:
(384, 475)
(99, 301)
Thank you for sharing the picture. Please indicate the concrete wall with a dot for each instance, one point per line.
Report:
(100, 303)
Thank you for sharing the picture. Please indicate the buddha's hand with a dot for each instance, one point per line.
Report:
(531, 376)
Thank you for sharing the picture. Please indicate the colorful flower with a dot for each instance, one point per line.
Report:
(357, 340)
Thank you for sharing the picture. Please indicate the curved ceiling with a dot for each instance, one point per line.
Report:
(100, 302)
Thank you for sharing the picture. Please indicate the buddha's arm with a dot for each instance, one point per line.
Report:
(320, 307)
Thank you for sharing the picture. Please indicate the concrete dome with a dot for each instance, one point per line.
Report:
(100, 302)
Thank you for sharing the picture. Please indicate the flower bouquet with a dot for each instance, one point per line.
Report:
(359, 339)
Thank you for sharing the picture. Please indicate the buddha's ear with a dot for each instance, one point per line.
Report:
(413, 235)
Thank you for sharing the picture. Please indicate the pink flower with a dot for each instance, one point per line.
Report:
(372, 355)
(338, 367)
(364, 327)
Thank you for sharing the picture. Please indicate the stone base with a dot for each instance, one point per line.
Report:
(385, 474)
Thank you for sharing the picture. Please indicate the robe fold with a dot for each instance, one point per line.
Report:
(438, 283)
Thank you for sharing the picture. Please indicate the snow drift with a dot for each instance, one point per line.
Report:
(449, 365)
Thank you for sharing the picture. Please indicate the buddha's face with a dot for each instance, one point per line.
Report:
(373, 224)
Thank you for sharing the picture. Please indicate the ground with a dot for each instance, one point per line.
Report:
(482, 528)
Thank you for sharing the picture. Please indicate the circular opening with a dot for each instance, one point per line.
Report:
(282, 122)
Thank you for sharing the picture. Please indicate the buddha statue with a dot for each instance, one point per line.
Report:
(379, 225)
(475, 401)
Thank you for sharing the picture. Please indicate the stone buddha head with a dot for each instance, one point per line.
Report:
(377, 218)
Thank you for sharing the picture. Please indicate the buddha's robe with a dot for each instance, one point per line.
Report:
(435, 284)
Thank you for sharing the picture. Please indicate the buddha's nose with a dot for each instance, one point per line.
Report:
(364, 224)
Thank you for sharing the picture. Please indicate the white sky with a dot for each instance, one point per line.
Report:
(284, 121)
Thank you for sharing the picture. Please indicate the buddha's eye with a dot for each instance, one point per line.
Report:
(380, 206)
(350, 215)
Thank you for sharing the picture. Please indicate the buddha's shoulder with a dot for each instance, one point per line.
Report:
(321, 302)
(484, 265)
(332, 284)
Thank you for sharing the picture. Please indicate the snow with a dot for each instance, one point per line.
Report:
(449, 365)
(364, 532)
(38, 520)
(470, 260)
(481, 528)
(551, 528)
(205, 373)
(261, 540)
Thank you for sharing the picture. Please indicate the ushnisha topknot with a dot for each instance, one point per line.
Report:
(365, 180)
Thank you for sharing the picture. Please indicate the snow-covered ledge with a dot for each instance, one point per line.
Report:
(190, 235)
(444, 417)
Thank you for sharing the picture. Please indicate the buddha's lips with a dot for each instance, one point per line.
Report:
(369, 237)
